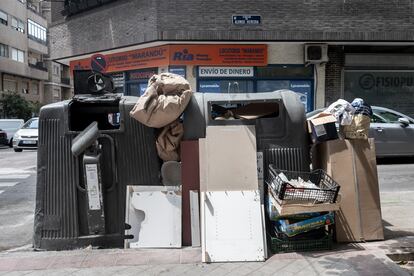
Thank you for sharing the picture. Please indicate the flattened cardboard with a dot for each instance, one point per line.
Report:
(352, 164)
(231, 154)
(233, 226)
(286, 208)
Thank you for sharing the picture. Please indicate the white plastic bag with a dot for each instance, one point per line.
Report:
(342, 110)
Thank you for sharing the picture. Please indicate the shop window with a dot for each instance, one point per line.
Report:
(226, 86)
(393, 89)
(178, 70)
(17, 24)
(302, 87)
(3, 17)
(4, 50)
(17, 55)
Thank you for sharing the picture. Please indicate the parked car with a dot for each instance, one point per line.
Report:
(10, 126)
(3, 138)
(27, 136)
(393, 132)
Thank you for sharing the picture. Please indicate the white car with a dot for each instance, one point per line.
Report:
(27, 136)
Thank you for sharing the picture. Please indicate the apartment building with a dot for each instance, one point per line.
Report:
(23, 46)
(25, 66)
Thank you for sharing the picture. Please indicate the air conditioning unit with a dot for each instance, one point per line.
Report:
(316, 53)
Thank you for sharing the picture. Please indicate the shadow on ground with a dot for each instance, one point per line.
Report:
(395, 160)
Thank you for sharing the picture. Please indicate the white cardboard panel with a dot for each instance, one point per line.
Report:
(233, 226)
(154, 216)
(195, 219)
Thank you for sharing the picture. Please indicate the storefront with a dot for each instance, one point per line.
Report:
(298, 78)
(215, 68)
(381, 80)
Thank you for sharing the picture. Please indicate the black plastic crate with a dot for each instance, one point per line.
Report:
(327, 192)
(310, 242)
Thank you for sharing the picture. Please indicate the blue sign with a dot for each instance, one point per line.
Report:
(304, 89)
(247, 19)
(209, 86)
(178, 71)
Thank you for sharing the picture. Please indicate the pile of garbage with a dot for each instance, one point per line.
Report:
(289, 211)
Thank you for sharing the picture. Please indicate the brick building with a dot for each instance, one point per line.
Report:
(324, 49)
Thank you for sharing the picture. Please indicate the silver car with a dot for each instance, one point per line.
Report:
(27, 136)
(392, 131)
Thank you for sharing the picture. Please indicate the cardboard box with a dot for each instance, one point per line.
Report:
(322, 127)
(352, 164)
(277, 209)
(295, 228)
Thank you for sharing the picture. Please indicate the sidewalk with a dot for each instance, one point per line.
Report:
(352, 259)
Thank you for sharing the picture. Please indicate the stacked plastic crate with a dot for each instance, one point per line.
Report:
(300, 210)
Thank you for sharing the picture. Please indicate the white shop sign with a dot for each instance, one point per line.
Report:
(204, 71)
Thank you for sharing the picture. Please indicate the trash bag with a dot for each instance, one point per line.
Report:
(169, 140)
(169, 83)
(342, 111)
(163, 101)
(359, 127)
(361, 107)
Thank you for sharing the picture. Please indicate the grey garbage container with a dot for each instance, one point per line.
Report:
(281, 135)
(128, 157)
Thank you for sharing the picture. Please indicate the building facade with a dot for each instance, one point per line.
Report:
(23, 46)
(323, 50)
(58, 86)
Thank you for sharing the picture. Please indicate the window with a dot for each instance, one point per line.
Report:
(9, 85)
(17, 24)
(3, 17)
(4, 50)
(387, 116)
(36, 31)
(34, 86)
(56, 70)
(25, 87)
(17, 55)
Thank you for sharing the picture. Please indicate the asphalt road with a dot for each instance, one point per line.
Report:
(18, 181)
(17, 194)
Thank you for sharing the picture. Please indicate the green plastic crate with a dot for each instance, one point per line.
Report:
(278, 245)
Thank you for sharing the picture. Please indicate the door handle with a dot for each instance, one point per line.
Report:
(379, 129)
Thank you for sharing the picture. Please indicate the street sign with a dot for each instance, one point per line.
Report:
(247, 19)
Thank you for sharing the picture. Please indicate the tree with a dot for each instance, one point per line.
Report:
(15, 106)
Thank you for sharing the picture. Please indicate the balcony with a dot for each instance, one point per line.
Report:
(65, 81)
(39, 65)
